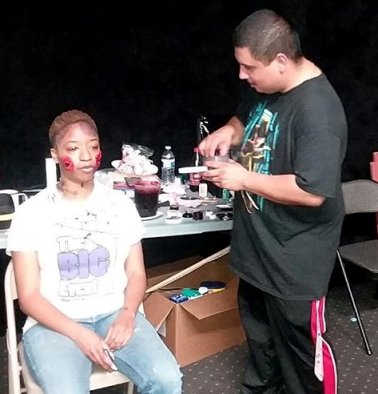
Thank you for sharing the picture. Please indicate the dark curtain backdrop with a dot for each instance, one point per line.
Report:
(146, 70)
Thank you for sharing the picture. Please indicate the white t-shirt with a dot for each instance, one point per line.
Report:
(81, 247)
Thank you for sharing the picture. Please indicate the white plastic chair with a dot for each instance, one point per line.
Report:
(16, 363)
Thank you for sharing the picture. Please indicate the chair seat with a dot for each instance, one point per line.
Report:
(101, 378)
(364, 254)
(31, 386)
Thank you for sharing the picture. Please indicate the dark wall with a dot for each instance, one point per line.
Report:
(146, 73)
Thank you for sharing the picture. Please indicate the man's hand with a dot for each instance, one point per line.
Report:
(218, 142)
(229, 175)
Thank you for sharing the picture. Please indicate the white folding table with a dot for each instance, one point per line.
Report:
(156, 228)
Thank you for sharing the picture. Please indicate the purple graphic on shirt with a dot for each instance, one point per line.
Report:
(83, 263)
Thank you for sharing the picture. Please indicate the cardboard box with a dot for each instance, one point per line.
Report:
(200, 327)
(158, 273)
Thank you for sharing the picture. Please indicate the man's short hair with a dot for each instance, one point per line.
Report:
(266, 34)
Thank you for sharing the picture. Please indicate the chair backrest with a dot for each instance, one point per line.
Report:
(16, 364)
(360, 196)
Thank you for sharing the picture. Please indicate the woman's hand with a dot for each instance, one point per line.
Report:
(93, 346)
(123, 326)
(121, 330)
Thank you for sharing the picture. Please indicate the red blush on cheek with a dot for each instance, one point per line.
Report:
(68, 164)
(98, 159)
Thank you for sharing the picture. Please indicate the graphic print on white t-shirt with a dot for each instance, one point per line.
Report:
(85, 256)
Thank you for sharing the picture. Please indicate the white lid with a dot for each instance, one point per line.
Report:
(167, 147)
(193, 169)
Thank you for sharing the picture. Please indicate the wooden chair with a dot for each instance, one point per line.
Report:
(17, 367)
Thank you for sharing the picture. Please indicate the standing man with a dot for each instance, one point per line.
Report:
(289, 210)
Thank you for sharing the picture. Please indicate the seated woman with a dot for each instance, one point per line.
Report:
(79, 269)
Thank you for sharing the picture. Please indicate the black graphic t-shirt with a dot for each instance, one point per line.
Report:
(288, 250)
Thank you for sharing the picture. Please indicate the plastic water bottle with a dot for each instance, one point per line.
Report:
(168, 164)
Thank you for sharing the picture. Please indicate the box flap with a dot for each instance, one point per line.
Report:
(213, 304)
(157, 308)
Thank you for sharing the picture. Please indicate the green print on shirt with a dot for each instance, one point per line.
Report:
(259, 141)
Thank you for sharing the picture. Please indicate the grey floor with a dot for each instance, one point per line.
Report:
(222, 372)
(357, 372)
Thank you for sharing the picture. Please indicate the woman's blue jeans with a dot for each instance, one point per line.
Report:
(58, 365)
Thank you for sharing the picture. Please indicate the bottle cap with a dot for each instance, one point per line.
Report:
(167, 147)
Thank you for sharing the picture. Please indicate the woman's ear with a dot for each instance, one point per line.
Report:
(54, 155)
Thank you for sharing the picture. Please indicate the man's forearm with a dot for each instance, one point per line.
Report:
(238, 130)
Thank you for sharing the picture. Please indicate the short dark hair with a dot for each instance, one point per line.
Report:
(65, 119)
(266, 34)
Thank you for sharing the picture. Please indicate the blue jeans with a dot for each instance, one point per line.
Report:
(59, 366)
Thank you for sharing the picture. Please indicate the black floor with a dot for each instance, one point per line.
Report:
(357, 372)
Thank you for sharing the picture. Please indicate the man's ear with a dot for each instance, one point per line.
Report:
(282, 61)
